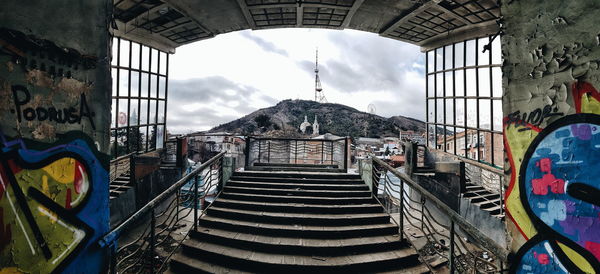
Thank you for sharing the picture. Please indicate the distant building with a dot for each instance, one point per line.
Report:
(306, 125)
(469, 144)
(202, 146)
(411, 135)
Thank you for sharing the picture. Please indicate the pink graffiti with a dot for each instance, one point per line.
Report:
(540, 185)
(542, 258)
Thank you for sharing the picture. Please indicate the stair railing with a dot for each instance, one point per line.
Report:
(265, 150)
(145, 242)
(414, 210)
(120, 166)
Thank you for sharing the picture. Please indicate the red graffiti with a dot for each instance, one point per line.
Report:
(594, 248)
(540, 185)
(68, 199)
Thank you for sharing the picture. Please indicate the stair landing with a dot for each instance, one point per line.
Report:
(295, 222)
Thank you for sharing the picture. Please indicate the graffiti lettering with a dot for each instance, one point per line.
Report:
(535, 117)
(48, 215)
(53, 114)
(553, 196)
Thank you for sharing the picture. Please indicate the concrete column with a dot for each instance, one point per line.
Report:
(551, 106)
(55, 93)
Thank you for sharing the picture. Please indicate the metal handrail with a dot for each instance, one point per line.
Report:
(110, 237)
(294, 139)
(296, 150)
(479, 238)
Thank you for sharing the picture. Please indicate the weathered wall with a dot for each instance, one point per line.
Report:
(54, 111)
(551, 53)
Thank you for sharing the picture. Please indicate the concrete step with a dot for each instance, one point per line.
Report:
(331, 181)
(297, 199)
(296, 165)
(286, 185)
(298, 207)
(300, 218)
(290, 174)
(294, 168)
(298, 192)
(475, 193)
(299, 231)
(299, 246)
(271, 263)
(484, 198)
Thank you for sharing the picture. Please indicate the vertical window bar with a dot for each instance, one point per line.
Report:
(491, 145)
(116, 146)
(166, 93)
(148, 97)
(139, 101)
(465, 98)
(435, 127)
(444, 95)
(426, 99)
(477, 95)
(454, 97)
(129, 142)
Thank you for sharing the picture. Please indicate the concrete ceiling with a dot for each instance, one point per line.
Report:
(167, 24)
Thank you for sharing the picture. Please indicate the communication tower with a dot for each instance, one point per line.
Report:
(319, 94)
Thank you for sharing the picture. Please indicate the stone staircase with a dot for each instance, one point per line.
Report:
(484, 199)
(120, 185)
(295, 222)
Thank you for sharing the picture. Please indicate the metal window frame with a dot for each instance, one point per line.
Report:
(434, 126)
(149, 98)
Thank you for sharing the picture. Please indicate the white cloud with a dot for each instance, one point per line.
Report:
(234, 74)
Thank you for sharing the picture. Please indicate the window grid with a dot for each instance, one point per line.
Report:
(478, 135)
(138, 117)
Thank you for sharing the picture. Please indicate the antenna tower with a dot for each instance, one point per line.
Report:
(319, 94)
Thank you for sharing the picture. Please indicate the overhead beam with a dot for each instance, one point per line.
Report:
(449, 12)
(351, 12)
(183, 10)
(147, 13)
(145, 37)
(466, 32)
(299, 14)
(293, 5)
(246, 12)
(404, 18)
(175, 26)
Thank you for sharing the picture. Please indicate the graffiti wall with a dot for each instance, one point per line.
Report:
(551, 52)
(54, 110)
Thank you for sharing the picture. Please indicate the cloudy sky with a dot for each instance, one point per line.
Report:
(226, 77)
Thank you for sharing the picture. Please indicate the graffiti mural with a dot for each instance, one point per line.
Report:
(49, 220)
(553, 196)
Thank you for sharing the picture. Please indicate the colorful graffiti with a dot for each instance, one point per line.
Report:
(48, 215)
(553, 194)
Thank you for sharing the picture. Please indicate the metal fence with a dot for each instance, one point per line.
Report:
(120, 166)
(297, 151)
(146, 240)
(420, 218)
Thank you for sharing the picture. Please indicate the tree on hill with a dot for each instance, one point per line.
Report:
(263, 121)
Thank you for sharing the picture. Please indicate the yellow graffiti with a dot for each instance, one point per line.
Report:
(518, 142)
(10, 270)
(62, 171)
(576, 258)
(589, 104)
(57, 181)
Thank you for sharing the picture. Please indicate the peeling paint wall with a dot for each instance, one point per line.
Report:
(54, 122)
(551, 104)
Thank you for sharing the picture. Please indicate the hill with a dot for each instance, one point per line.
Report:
(285, 119)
